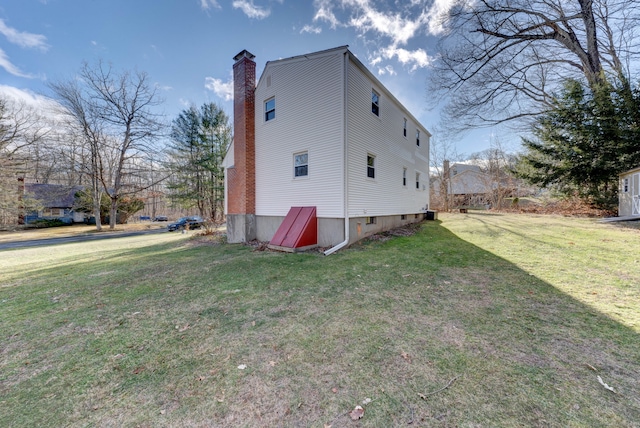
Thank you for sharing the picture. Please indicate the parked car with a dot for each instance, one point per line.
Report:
(191, 222)
(161, 218)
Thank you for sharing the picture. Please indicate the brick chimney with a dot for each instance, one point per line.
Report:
(241, 178)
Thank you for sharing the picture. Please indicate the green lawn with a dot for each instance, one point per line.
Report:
(476, 320)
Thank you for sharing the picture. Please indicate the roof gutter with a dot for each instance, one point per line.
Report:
(345, 160)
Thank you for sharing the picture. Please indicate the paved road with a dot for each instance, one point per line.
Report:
(76, 238)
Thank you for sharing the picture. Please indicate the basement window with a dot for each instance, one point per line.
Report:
(375, 103)
(403, 217)
(371, 166)
(270, 109)
(301, 164)
(370, 220)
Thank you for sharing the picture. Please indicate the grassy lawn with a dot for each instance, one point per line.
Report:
(477, 320)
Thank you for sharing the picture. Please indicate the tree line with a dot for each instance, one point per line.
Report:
(562, 72)
(102, 131)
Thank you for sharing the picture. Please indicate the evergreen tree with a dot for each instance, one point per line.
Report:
(200, 142)
(588, 137)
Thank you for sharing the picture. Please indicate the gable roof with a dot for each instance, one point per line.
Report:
(52, 195)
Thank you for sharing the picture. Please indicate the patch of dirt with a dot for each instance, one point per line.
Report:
(408, 230)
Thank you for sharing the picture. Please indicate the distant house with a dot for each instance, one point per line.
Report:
(468, 184)
(465, 184)
(629, 193)
(319, 130)
(52, 201)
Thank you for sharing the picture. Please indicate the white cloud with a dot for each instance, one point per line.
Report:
(324, 12)
(10, 68)
(311, 29)
(250, 9)
(387, 70)
(416, 59)
(437, 14)
(222, 89)
(393, 25)
(23, 39)
(38, 102)
(208, 4)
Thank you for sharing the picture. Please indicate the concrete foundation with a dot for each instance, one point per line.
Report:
(241, 228)
(331, 230)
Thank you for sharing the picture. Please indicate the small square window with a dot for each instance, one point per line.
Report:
(417, 180)
(375, 103)
(301, 164)
(371, 166)
(418, 138)
(403, 217)
(370, 220)
(270, 109)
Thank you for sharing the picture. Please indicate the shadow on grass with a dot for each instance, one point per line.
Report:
(431, 329)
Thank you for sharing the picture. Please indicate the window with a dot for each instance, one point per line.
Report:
(417, 180)
(626, 185)
(418, 137)
(404, 130)
(371, 166)
(404, 177)
(269, 109)
(301, 164)
(403, 217)
(375, 103)
(370, 220)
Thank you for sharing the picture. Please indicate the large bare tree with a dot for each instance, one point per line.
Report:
(502, 60)
(115, 115)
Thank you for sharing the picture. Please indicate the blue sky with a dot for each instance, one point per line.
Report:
(187, 46)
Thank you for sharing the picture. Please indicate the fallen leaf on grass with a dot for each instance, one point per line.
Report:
(406, 357)
(334, 390)
(185, 328)
(242, 366)
(366, 401)
(272, 363)
(327, 426)
(138, 370)
(356, 413)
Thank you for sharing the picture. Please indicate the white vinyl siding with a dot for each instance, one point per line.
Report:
(366, 134)
(310, 118)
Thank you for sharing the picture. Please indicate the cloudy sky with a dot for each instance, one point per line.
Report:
(187, 46)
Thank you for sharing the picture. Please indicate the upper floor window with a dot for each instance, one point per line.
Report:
(417, 137)
(301, 164)
(371, 166)
(625, 185)
(417, 180)
(404, 130)
(269, 109)
(375, 103)
(404, 176)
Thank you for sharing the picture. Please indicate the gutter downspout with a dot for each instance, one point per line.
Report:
(345, 160)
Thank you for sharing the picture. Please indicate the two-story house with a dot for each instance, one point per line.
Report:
(320, 130)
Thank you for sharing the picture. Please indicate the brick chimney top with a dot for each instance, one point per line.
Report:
(243, 54)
